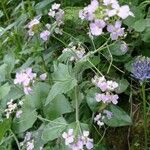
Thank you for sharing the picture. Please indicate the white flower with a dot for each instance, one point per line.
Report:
(110, 2)
(51, 13)
(100, 123)
(112, 85)
(97, 117)
(30, 145)
(33, 23)
(69, 137)
(43, 76)
(48, 26)
(55, 6)
(124, 12)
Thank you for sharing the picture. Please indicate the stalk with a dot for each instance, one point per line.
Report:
(145, 116)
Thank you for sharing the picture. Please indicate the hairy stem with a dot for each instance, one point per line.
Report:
(145, 116)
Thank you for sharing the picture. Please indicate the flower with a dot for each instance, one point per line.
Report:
(11, 107)
(141, 68)
(75, 52)
(87, 12)
(18, 113)
(77, 146)
(86, 140)
(124, 12)
(25, 78)
(30, 145)
(109, 2)
(55, 6)
(115, 30)
(111, 85)
(107, 98)
(109, 114)
(43, 76)
(99, 119)
(33, 22)
(79, 141)
(69, 137)
(45, 35)
(96, 28)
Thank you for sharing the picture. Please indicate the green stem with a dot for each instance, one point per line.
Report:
(76, 105)
(145, 116)
(15, 138)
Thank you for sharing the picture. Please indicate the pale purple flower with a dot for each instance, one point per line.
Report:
(77, 146)
(87, 12)
(109, 114)
(18, 113)
(96, 28)
(43, 76)
(102, 85)
(59, 16)
(30, 145)
(115, 30)
(114, 99)
(69, 137)
(124, 12)
(107, 98)
(45, 35)
(87, 141)
(27, 90)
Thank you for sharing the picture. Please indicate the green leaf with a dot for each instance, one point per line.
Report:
(9, 59)
(38, 97)
(26, 121)
(119, 118)
(60, 105)
(140, 25)
(123, 85)
(146, 35)
(54, 129)
(91, 101)
(3, 72)
(4, 90)
(119, 48)
(4, 126)
(64, 82)
(39, 7)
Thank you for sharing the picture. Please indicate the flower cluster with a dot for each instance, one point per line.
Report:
(33, 25)
(78, 143)
(13, 107)
(57, 17)
(107, 14)
(101, 116)
(28, 141)
(141, 68)
(26, 78)
(107, 88)
(76, 52)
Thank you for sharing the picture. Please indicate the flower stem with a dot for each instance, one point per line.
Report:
(145, 116)
(76, 105)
